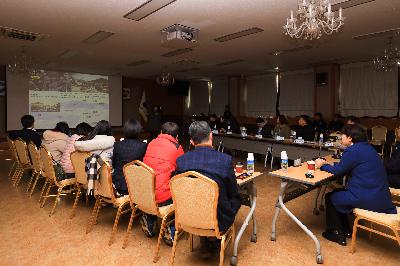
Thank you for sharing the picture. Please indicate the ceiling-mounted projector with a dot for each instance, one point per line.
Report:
(179, 36)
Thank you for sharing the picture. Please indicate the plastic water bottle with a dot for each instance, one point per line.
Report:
(284, 161)
(250, 163)
(321, 139)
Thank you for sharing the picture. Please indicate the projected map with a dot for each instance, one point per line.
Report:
(71, 97)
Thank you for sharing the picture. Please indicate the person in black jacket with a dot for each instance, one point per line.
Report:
(264, 128)
(154, 122)
(28, 132)
(336, 124)
(393, 164)
(125, 151)
(305, 129)
(319, 124)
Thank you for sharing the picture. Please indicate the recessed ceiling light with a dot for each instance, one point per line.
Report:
(147, 8)
(238, 34)
(98, 37)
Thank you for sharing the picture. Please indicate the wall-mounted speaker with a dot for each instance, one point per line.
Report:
(322, 78)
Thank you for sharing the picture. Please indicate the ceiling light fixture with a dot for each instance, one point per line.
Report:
(312, 19)
(22, 63)
(165, 79)
(390, 58)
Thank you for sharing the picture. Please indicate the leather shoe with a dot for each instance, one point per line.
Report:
(335, 236)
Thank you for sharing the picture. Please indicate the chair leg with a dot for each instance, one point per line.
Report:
(19, 177)
(191, 242)
(78, 193)
(95, 212)
(13, 167)
(396, 233)
(233, 238)
(222, 251)
(30, 181)
(370, 232)
(114, 229)
(353, 238)
(43, 189)
(55, 201)
(128, 231)
(47, 194)
(34, 184)
(171, 261)
(162, 229)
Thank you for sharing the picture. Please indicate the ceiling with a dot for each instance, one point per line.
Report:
(68, 23)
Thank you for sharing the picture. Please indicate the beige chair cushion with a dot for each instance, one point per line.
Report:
(67, 182)
(384, 218)
(164, 210)
(198, 231)
(121, 200)
(395, 191)
(377, 142)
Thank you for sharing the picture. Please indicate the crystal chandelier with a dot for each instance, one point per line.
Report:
(312, 19)
(165, 79)
(390, 58)
(22, 64)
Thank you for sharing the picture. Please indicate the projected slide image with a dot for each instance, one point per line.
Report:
(70, 97)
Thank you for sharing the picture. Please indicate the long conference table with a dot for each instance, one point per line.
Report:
(269, 146)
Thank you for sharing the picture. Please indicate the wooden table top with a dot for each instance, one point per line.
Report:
(248, 179)
(297, 174)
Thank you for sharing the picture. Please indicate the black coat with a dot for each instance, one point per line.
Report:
(125, 151)
(393, 167)
(266, 131)
(307, 132)
(27, 135)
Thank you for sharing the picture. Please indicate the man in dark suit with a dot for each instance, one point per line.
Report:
(216, 166)
(264, 128)
(27, 133)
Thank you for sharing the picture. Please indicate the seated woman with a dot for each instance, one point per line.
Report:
(282, 128)
(55, 140)
(125, 151)
(393, 164)
(99, 141)
(367, 187)
(81, 130)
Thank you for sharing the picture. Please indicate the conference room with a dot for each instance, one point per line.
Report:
(183, 132)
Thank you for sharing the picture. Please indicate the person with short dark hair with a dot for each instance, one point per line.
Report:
(28, 132)
(154, 122)
(352, 120)
(264, 128)
(319, 124)
(161, 155)
(228, 121)
(125, 151)
(216, 166)
(305, 130)
(393, 164)
(366, 189)
(336, 124)
(99, 141)
(214, 122)
(55, 140)
(282, 128)
(81, 130)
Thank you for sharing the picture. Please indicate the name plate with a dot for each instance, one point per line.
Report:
(280, 138)
(299, 141)
(297, 162)
(229, 133)
(259, 136)
(328, 144)
(215, 131)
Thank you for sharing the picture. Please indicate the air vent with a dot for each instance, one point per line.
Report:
(147, 8)
(384, 33)
(68, 54)
(98, 37)
(177, 52)
(348, 3)
(230, 62)
(138, 63)
(238, 34)
(291, 50)
(186, 62)
(20, 34)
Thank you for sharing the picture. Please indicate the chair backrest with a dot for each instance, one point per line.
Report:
(104, 186)
(195, 199)
(34, 154)
(22, 151)
(78, 163)
(13, 151)
(141, 183)
(379, 133)
(47, 164)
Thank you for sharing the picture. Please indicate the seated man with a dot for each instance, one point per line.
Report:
(393, 164)
(319, 124)
(216, 166)
(161, 155)
(264, 128)
(305, 129)
(28, 132)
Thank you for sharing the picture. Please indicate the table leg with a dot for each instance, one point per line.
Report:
(316, 211)
(284, 186)
(251, 190)
(299, 223)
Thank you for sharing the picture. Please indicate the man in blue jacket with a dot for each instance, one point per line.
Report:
(366, 189)
(216, 166)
